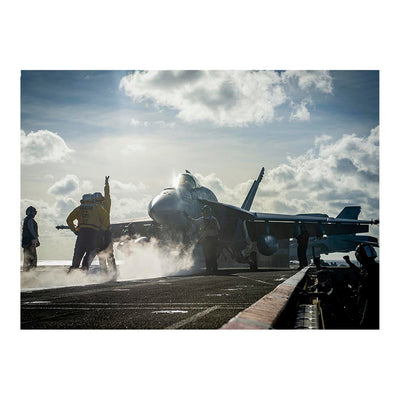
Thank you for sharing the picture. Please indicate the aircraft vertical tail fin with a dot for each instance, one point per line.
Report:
(252, 192)
(351, 212)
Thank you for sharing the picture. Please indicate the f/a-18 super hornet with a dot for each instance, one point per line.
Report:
(243, 232)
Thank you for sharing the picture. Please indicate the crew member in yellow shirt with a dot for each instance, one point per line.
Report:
(106, 254)
(92, 220)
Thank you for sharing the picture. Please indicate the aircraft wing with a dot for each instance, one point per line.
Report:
(316, 218)
(373, 241)
(222, 210)
(286, 226)
(136, 226)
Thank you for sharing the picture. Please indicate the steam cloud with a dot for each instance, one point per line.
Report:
(137, 261)
(150, 260)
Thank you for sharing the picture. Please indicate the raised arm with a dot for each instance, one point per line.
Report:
(107, 197)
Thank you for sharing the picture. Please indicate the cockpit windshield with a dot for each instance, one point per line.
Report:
(187, 181)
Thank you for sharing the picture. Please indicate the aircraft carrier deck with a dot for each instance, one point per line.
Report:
(175, 302)
(232, 299)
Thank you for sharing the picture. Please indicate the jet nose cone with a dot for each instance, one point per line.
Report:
(166, 209)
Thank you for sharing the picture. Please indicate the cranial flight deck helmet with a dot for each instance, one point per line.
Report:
(365, 252)
(98, 197)
(31, 211)
(87, 198)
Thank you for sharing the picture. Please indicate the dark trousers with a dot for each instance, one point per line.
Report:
(302, 255)
(30, 257)
(209, 245)
(87, 245)
(370, 317)
(370, 303)
(106, 254)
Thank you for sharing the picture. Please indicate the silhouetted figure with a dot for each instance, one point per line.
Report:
(368, 274)
(316, 257)
(92, 219)
(302, 243)
(208, 236)
(30, 239)
(106, 253)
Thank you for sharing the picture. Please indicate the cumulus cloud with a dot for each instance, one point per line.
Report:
(128, 199)
(70, 186)
(300, 112)
(329, 177)
(308, 80)
(125, 208)
(42, 147)
(64, 206)
(226, 98)
(325, 179)
(65, 186)
(224, 193)
(322, 139)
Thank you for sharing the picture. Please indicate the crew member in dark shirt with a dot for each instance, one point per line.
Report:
(368, 275)
(302, 243)
(208, 235)
(30, 239)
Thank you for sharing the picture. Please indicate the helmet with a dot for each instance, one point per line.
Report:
(87, 198)
(365, 252)
(31, 211)
(98, 197)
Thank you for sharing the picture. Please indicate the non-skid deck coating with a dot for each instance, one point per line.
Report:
(181, 302)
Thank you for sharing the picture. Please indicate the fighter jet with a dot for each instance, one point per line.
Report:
(243, 232)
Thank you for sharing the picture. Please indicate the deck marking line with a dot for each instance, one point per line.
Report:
(256, 280)
(194, 317)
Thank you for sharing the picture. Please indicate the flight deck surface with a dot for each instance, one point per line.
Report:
(175, 302)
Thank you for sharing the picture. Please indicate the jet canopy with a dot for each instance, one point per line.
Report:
(187, 181)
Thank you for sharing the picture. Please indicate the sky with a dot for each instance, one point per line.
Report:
(315, 132)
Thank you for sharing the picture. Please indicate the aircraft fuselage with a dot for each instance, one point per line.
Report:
(169, 206)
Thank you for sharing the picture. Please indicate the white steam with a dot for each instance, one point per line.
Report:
(56, 276)
(137, 261)
(151, 260)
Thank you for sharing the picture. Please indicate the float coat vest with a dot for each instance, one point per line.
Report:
(89, 215)
(27, 235)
